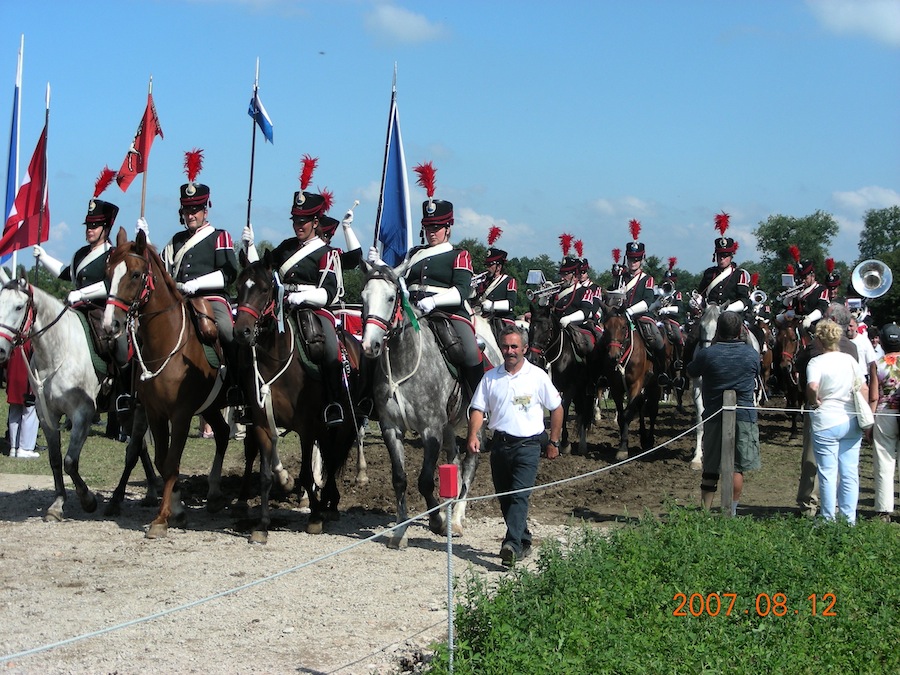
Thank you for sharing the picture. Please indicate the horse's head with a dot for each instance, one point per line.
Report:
(255, 298)
(381, 297)
(542, 329)
(130, 278)
(16, 315)
(617, 334)
(788, 344)
(708, 321)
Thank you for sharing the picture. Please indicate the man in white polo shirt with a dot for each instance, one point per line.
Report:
(514, 396)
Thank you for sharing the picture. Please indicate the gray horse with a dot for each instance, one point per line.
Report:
(415, 391)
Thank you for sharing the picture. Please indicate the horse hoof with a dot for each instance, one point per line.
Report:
(696, 465)
(89, 503)
(457, 530)
(621, 455)
(150, 500)
(331, 515)
(361, 479)
(215, 504)
(157, 531)
(314, 527)
(259, 537)
(398, 543)
(53, 515)
(303, 503)
(112, 510)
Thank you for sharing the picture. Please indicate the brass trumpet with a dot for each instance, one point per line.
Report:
(479, 278)
(543, 292)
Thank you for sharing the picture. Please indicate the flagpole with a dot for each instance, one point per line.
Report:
(146, 163)
(43, 183)
(387, 144)
(12, 181)
(253, 143)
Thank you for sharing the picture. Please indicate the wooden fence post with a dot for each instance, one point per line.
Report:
(726, 467)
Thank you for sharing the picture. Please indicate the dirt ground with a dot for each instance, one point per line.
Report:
(311, 604)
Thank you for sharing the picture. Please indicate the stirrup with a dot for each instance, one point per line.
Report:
(678, 365)
(663, 379)
(235, 396)
(334, 415)
(124, 403)
(679, 383)
(365, 408)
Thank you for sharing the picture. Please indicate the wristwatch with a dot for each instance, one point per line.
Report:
(555, 444)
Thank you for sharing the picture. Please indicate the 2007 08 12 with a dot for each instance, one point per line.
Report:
(716, 604)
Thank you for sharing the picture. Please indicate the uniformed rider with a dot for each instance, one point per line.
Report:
(725, 284)
(497, 293)
(811, 302)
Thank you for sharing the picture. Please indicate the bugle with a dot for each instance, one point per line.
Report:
(543, 292)
(788, 294)
(479, 278)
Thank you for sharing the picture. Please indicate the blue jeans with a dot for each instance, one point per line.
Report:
(514, 466)
(837, 463)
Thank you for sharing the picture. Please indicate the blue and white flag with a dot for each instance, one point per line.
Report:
(12, 168)
(258, 112)
(394, 223)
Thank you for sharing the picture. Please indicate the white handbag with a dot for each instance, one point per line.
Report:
(864, 414)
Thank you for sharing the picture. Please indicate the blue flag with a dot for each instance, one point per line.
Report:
(12, 169)
(258, 112)
(394, 224)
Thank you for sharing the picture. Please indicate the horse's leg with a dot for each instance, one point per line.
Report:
(564, 447)
(215, 499)
(393, 439)
(362, 477)
(260, 438)
(251, 447)
(136, 449)
(51, 433)
(468, 463)
(697, 459)
(160, 430)
(307, 483)
(651, 410)
(432, 440)
(81, 423)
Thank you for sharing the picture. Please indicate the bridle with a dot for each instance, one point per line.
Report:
(626, 344)
(259, 316)
(393, 324)
(148, 285)
(18, 335)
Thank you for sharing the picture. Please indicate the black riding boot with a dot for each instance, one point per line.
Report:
(473, 375)
(334, 393)
(124, 403)
(662, 377)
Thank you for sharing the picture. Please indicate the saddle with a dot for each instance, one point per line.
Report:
(585, 337)
(673, 332)
(650, 333)
(447, 339)
(101, 346)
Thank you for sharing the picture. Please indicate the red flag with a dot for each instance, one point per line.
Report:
(22, 223)
(139, 152)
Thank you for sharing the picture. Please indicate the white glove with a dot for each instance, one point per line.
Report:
(487, 305)
(628, 312)
(190, 287)
(373, 257)
(348, 218)
(669, 309)
(736, 306)
(297, 297)
(565, 321)
(74, 297)
(247, 235)
(38, 251)
(142, 226)
(426, 304)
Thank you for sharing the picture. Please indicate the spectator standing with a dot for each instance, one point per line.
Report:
(830, 381)
(23, 419)
(514, 396)
(729, 363)
(886, 434)
(875, 339)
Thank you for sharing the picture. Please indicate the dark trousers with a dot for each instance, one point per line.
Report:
(514, 466)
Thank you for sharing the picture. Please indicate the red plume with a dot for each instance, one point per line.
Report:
(829, 265)
(737, 245)
(103, 180)
(426, 173)
(193, 163)
(789, 269)
(672, 261)
(329, 199)
(722, 222)
(579, 248)
(635, 227)
(754, 279)
(565, 241)
(616, 254)
(308, 165)
(795, 252)
(494, 234)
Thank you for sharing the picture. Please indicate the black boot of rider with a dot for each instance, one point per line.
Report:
(124, 403)
(334, 389)
(473, 375)
(662, 377)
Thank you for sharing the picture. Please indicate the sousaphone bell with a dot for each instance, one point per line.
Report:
(871, 278)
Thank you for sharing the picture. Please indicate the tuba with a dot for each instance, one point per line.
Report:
(871, 278)
(758, 297)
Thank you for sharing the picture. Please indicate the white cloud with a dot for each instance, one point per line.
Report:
(623, 207)
(878, 19)
(871, 197)
(397, 25)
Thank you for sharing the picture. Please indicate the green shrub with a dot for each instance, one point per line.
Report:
(606, 603)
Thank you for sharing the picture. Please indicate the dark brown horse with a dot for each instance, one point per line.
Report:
(176, 380)
(550, 346)
(633, 384)
(283, 390)
(788, 344)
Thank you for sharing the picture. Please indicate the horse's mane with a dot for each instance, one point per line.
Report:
(379, 271)
(154, 260)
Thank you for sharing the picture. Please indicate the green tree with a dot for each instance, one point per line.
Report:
(880, 234)
(812, 234)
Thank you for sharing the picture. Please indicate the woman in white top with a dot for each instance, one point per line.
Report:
(836, 435)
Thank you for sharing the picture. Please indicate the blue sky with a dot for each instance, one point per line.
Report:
(540, 118)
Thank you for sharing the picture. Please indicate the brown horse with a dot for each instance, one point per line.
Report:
(177, 380)
(283, 392)
(766, 359)
(633, 384)
(788, 344)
